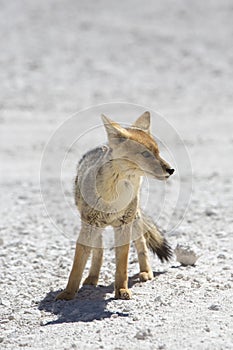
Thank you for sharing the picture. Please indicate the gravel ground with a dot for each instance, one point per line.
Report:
(60, 57)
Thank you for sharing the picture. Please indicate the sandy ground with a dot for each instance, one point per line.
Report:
(59, 57)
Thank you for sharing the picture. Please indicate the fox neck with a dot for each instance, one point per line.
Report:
(116, 181)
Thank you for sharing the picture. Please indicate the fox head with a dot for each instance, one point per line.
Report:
(136, 149)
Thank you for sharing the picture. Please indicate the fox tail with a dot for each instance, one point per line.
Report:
(154, 239)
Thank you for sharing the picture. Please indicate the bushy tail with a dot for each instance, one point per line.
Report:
(155, 241)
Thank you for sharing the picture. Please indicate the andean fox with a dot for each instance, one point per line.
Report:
(107, 190)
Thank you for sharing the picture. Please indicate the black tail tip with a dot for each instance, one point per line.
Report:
(164, 251)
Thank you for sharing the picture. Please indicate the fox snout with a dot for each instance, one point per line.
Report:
(166, 168)
(170, 171)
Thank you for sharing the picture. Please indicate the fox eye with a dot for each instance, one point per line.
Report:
(146, 154)
(121, 139)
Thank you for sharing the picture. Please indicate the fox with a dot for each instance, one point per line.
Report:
(107, 192)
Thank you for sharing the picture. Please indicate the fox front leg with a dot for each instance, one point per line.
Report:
(82, 253)
(121, 276)
(122, 253)
(97, 259)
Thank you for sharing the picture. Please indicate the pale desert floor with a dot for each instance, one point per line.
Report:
(56, 58)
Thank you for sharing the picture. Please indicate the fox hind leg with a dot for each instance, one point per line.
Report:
(142, 250)
(143, 258)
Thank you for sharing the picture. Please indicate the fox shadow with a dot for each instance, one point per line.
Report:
(90, 304)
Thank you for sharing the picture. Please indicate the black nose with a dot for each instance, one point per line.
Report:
(170, 171)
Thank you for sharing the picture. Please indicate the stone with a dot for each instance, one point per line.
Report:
(186, 254)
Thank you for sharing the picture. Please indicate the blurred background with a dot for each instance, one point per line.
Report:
(58, 57)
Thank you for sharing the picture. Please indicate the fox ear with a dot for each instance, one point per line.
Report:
(116, 133)
(143, 122)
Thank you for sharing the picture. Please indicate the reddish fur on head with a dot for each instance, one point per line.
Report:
(143, 138)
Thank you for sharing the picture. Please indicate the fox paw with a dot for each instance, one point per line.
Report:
(91, 280)
(145, 276)
(65, 295)
(124, 294)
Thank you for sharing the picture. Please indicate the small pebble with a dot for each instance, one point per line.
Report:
(5, 302)
(158, 299)
(221, 234)
(210, 212)
(221, 256)
(214, 307)
(162, 347)
(126, 309)
(22, 197)
(143, 334)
